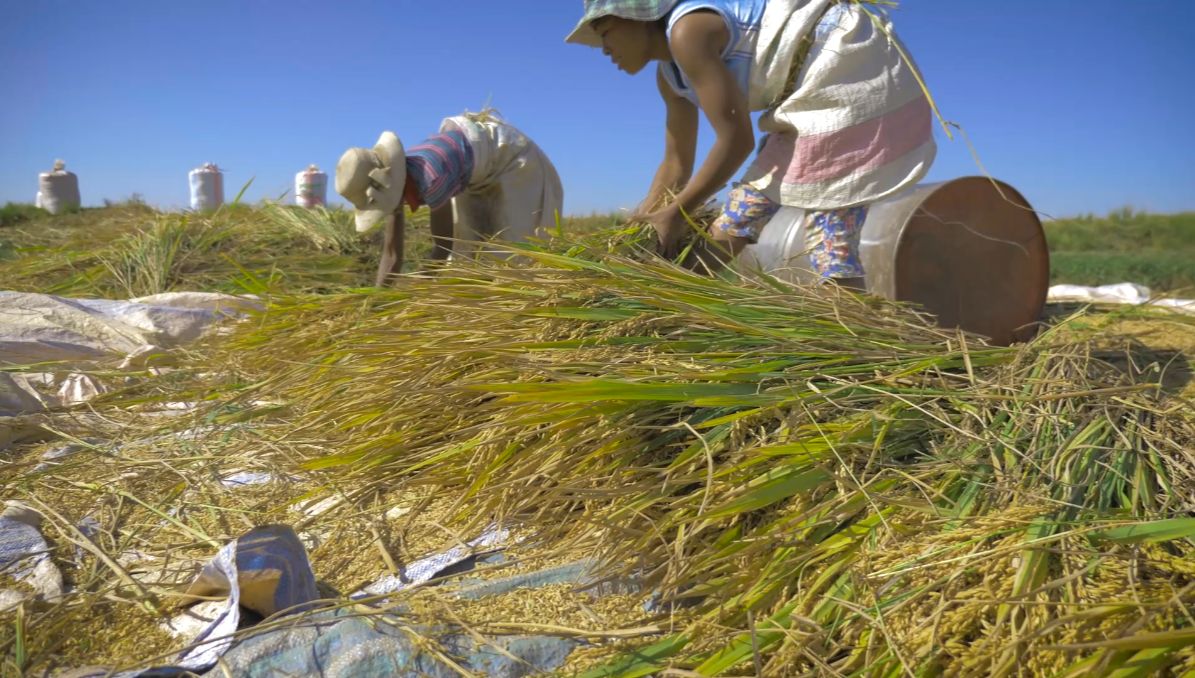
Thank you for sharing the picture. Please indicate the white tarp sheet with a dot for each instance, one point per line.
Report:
(37, 328)
(425, 569)
(25, 557)
(1120, 293)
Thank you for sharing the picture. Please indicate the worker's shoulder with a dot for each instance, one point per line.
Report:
(700, 34)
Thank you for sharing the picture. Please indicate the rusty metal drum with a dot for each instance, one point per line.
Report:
(970, 251)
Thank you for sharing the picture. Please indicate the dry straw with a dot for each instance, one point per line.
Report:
(806, 481)
(821, 482)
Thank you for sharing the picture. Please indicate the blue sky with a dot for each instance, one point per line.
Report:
(1083, 106)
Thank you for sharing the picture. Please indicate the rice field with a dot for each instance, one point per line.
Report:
(1156, 250)
(781, 480)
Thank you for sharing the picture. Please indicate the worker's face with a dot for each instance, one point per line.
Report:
(625, 42)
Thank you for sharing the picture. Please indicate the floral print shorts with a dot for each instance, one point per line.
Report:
(832, 239)
(745, 213)
(831, 236)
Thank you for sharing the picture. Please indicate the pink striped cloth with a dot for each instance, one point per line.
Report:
(858, 126)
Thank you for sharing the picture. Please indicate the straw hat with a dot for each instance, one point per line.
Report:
(635, 10)
(372, 179)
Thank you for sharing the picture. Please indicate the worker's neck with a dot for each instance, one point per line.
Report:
(657, 44)
(410, 194)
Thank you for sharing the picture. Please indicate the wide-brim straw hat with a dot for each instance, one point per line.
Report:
(635, 10)
(372, 179)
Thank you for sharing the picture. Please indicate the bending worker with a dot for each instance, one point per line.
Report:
(480, 176)
(846, 120)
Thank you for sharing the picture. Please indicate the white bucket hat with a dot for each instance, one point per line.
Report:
(373, 180)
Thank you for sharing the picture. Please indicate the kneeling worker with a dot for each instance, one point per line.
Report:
(480, 176)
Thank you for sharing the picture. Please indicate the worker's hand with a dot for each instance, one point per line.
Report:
(670, 226)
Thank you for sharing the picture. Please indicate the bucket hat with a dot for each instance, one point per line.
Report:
(635, 10)
(372, 179)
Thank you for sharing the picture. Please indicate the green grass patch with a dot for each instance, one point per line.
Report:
(14, 213)
(1157, 250)
(133, 250)
(1123, 231)
(1159, 270)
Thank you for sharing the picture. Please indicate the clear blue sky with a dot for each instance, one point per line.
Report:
(1084, 106)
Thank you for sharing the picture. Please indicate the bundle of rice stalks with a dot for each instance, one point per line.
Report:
(801, 481)
(810, 482)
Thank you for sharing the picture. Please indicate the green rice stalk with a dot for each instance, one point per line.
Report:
(921, 502)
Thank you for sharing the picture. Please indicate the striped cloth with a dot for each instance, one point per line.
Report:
(441, 167)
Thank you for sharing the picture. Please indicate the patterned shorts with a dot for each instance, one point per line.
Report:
(745, 213)
(831, 237)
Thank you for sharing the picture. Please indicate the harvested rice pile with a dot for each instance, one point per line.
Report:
(798, 482)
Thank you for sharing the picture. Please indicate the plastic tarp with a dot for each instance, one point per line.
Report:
(18, 396)
(424, 569)
(36, 328)
(25, 557)
(1119, 293)
(267, 571)
(337, 645)
(61, 332)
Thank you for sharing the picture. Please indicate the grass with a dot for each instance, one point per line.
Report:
(78, 253)
(132, 250)
(1157, 250)
(1123, 230)
(1161, 271)
(809, 482)
(832, 485)
(14, 213)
